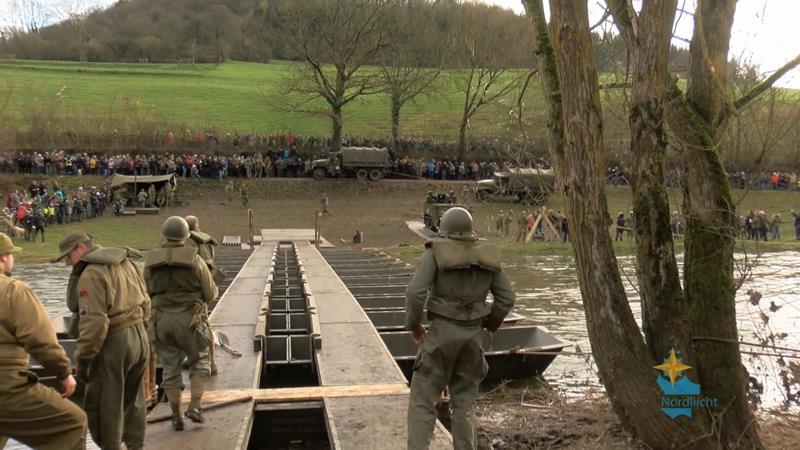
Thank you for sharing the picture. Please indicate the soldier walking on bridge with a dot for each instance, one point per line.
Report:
(180, 285)
(32, 413)
(205, 244)
(453, 277)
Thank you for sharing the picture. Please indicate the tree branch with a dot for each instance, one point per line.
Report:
(766, 84)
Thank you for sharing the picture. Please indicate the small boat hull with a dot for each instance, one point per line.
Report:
(512, 353)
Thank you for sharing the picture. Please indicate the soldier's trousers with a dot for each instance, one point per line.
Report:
(114, 401)
(37, 415)
(174, 341)
(451, 356)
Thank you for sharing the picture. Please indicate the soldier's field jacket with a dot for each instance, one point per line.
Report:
(178, 278)
(26, 330)
(111, 297)
(453, 279)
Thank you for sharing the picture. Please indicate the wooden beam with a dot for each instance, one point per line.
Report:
(303, 393)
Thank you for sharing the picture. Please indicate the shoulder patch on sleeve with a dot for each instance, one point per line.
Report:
(83, 293)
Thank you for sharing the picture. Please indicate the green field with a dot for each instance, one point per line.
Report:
(244, 97)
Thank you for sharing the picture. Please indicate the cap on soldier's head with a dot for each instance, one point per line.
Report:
(70, 242)
(175, 229)
(6, 246)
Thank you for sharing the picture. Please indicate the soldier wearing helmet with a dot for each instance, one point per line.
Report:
(180, 286)
(453, 277)
(107, 295)
(205, 244)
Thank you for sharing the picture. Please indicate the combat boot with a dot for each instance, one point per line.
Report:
(194, 413)
(174, 397)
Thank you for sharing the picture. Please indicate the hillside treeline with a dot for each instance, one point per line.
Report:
(213, 31)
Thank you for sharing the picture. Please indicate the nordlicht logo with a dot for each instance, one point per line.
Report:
(680, 394)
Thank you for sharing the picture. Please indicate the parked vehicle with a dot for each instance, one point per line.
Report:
(358, 162)
(436, 204)
(524, 185)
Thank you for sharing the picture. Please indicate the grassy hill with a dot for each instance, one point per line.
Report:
(233, 96)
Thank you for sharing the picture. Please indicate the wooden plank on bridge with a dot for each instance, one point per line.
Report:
(302, 394)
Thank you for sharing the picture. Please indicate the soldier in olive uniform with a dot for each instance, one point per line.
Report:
(151, 196)
(245, 195)
(112, 348)
(180, 284)
(205, 245)
(142, 198)
(31, 413)
(453, 278)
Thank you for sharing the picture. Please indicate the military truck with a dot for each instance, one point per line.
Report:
(524, 185)
(358, 162)
(436, 204)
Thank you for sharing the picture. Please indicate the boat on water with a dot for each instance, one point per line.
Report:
(513, 353)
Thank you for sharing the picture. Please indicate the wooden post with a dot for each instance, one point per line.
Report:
(250, 220)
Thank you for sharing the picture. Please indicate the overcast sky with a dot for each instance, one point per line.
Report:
(765, 31)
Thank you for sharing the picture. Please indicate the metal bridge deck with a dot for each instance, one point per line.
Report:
(348, 351)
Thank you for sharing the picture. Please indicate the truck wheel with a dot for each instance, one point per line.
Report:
(375, 174)
(361, 174)
(482, 196)
(319, 173)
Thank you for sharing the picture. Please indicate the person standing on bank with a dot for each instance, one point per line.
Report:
(112, 349)
(453, 277)
(180, 284)
(31, 413)
(205, 245)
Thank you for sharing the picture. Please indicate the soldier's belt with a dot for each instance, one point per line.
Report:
(124, 325)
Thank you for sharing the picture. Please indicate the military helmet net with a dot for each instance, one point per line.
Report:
(175, 229)
(457, 222)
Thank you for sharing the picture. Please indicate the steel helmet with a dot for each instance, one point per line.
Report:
(175, 229)
(457, 223)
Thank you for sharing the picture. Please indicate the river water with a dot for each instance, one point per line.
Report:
(548, 295)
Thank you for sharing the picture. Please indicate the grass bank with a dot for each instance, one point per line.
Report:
(233, 96)
(380, 210)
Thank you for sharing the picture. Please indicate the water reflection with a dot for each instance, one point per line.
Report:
(549, 296)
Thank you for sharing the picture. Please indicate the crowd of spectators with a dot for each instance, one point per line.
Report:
(294, 160)
(28, 212)
(282, 163)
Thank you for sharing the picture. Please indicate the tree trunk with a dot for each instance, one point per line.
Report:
(395, 121)
(711, 223)
(336, 128)
(624, 362)
(663, 306)
(463, 145)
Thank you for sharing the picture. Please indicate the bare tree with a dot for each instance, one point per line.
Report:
(76, 13)
(26, 16)
(674, 316)
(334, 39)
(482, 73)
(403, 70)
